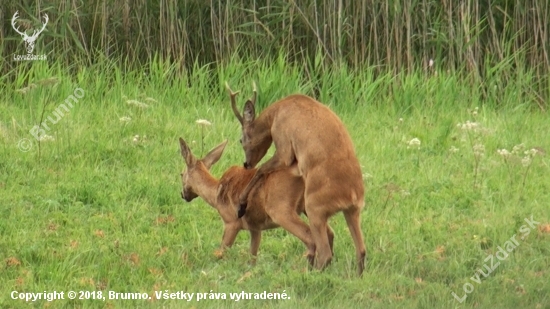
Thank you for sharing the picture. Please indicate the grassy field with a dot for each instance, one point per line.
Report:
(96, 206)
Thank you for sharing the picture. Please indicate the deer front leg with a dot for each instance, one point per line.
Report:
(255, 239)
(230, 232)
(269, 166)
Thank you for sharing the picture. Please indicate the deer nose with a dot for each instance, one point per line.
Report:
(245, 165)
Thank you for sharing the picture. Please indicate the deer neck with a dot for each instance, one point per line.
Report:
(265, 120)
(262, 125)
(207, 188)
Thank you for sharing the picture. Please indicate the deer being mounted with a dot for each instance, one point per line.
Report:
(29, 40)
(276, 200)
(308, 134)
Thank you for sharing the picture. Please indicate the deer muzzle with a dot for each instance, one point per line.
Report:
(188, 196)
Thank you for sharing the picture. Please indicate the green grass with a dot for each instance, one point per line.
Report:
(96, 211)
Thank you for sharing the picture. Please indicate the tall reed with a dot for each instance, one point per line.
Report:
(469, 36)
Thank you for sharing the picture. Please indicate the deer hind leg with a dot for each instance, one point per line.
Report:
(291, 222)
(319, 231)
(352, 216)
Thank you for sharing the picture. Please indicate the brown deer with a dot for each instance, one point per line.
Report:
(276, 200)
(308, 134)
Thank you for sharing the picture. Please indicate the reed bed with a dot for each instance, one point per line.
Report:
(486, 42)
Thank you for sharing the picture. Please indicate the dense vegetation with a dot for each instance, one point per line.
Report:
(491, 43)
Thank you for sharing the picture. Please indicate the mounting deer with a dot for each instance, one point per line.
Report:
(276, 200)
(29, 40)
(308, 134)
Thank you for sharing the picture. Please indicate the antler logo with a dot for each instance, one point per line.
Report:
(29, 40)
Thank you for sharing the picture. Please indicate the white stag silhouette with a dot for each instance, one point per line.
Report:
(29, 40)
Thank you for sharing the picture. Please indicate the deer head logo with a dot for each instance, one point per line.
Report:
(29, 40)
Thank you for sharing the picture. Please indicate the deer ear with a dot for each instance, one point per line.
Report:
(214, 155)
(248, 112)
(186, 153)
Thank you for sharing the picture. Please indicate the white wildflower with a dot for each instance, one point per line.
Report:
(125, 119)
(469, 126)
(24, 90)
(479, 150)
(453, 149)
(539, 151)
(531, 152)
(414, 143)
(431, 63)
(136, 139)
(137, 103)
(526, 161)
(518, 148)
(400, 119)
(504, 152)
(203, 122)
(46, 138)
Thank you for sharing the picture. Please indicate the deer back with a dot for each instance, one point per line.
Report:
(309, 133)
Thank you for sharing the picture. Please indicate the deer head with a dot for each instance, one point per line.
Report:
(29, 40)
(196, 169)
(255, 145)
